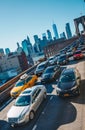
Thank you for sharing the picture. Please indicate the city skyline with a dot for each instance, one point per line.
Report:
(21, 18)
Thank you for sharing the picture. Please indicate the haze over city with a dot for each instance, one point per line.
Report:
(29, 17)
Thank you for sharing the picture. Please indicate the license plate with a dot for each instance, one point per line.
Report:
(66, 95)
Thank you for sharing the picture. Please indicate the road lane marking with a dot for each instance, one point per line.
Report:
(51, 97)
(34, 128)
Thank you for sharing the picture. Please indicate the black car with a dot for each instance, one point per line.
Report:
(51, 73)
(62, 59)
(40, 68)
(69, 83)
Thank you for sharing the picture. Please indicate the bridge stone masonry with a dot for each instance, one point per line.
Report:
(53, 47)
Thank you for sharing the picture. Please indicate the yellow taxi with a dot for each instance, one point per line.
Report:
(25, 81)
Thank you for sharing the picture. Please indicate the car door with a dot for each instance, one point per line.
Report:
(36, 99)
(34, 105)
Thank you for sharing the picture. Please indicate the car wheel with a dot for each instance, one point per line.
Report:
(31, 115)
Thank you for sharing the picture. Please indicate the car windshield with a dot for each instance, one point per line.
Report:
(41, 66)
(61, 58)
(23, 100)
(20, 83)
(49, 70)
(78, 52)
(67, 78)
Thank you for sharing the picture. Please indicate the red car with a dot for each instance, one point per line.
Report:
(78, 55)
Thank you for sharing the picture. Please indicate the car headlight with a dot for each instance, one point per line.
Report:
(21, 117)
(73, 88)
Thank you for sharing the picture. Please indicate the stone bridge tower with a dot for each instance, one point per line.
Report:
(77, 21)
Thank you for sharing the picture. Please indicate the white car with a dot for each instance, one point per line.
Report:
(26, 105)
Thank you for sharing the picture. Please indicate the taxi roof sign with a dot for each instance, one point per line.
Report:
(24, 76)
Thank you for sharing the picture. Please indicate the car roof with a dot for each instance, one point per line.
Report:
(52, 66)
(28, 91)
(42, 63)
(68, 70)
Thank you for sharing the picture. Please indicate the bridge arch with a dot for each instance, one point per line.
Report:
(77, 22)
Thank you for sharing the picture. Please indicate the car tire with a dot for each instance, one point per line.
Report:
(31, 115)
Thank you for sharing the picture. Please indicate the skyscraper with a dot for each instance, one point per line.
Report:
(1, 51)
(68, 30)
(55, 31)
(49, 35)
(7, 51)
(27, 46)
(62, 35)
(37, 43)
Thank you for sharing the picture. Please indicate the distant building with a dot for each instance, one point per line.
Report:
(16, 61)
(27, 46)
(55, 31)
(1, 52)
(7, 51)
(28, 49)
(37, 48)
(68, 30)
(49, 35)
(44, 35)
(62, 35)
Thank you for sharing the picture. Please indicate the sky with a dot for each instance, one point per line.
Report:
(22, 18)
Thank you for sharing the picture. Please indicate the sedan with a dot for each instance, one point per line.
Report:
(26, 105)
(51, 73)
(40, 68)
(24, 82)
(62, 59)
(69, 83)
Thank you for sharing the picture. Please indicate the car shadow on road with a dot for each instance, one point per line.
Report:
(57, 112)
(67, 114)
(76, 61)
(81, 98)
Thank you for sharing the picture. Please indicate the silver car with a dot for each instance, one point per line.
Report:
(26, 105)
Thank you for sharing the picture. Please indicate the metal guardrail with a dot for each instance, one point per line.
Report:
(5, 89)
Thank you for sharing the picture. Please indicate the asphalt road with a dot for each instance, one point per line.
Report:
(55, 113)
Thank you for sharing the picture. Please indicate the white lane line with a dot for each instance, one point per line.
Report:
(6, 103)
(51, 97)
(34, 128)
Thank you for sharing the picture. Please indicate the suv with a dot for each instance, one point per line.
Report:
(26, 105)
(51, 73)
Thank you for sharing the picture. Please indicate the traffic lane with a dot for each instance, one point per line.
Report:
(4, 113)
(58, 112)
(4, 125)
(70, 114)
(79, 103)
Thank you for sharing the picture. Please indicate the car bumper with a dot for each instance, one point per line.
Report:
(68, 93)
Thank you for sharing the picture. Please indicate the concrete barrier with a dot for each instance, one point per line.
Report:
(12, 81)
